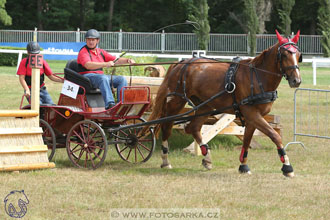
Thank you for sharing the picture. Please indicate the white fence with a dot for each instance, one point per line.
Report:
(163, 42)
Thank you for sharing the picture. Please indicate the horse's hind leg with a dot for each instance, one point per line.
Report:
(194, 128)
(173, 107)
(248, 133)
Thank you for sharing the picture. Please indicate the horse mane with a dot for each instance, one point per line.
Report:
(258, 60)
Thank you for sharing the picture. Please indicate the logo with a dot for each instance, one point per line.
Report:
(15, 204)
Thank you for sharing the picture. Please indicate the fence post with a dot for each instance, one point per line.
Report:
(120, 40)
(247, 43)
(314, 71)
(78, 35)
(35, 35)
(163, 42)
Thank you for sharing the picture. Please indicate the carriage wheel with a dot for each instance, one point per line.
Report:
(87, 144)
(136, 148)
(49, 138)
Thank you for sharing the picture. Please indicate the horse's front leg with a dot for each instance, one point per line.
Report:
(194, 128)
(248, 133)
(261, 124)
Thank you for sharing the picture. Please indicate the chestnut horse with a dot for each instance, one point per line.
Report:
(247, 90)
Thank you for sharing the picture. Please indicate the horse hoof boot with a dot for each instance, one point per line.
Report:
(244, 169)
(207, 164)
(287, 170)
(166, 166)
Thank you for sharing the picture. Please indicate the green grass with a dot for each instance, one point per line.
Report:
(69, 193)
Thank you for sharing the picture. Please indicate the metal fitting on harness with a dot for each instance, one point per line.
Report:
(230, 87)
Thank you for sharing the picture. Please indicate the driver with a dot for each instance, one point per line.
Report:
(92, 60)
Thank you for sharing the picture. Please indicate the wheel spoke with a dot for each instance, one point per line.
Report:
(96, 154)
(129, 153)
(80, 155)
(123, 149)
(90, 156)
(145, 147)
(78, 135)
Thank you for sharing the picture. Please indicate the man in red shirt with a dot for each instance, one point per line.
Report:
(92, 60)
(24, 72)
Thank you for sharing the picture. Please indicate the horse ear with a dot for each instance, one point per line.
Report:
(279, 37)
(296, 38)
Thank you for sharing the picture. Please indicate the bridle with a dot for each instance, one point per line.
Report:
(279, 58)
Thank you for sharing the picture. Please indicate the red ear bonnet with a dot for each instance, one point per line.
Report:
(296, 38)
(290, 47)
(281, 39)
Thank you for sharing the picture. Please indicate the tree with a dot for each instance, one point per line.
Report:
(284, 13)
(324, 25)
(199, 14)
(252, 24)
(4, 17)
(111, 7)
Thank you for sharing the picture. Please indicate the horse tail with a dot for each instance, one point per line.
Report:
(159, 103)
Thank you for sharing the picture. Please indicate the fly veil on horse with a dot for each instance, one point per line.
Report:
(246, 88)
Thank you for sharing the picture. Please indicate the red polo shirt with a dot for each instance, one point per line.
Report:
(86, 55)
(26, 70)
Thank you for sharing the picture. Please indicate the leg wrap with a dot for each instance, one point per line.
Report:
(204, 149)
(244, 155)
(164, 149)
(281, 153)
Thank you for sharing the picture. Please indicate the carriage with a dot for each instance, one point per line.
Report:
(81, 123)
(246, 88)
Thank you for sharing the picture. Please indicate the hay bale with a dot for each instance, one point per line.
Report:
(21, 143)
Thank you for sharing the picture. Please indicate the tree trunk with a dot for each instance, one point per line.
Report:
(264, 8)
(112, 4)
(39, 14)
(82, 14)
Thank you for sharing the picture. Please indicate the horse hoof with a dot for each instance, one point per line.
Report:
(244, 169)
(287, 170)
(166, 166)
(207, 164)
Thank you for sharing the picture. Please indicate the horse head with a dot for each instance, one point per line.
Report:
(288, 57)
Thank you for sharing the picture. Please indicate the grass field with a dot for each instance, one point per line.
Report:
(69, 193)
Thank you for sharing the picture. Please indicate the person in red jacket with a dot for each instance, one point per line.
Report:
(24, 72)
(91, 61)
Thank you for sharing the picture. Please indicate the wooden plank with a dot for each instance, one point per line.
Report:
(31, 166)
(210, 131)
(16, 131)
(18, 113)
(23, 149)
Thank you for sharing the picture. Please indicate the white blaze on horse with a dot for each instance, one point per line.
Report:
(246, 88)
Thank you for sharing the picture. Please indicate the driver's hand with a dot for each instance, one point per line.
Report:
(110, 64)
(27, 93)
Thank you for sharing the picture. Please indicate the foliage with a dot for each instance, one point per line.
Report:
(324, 25)
(284, 14)
(4, 17)
(252, 24)
(199, 14)
(9, 59)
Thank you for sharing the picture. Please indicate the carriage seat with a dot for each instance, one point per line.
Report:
(93, 95)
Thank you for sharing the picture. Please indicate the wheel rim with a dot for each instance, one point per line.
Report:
(86, 145)
(137, 148)
(49, 138)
